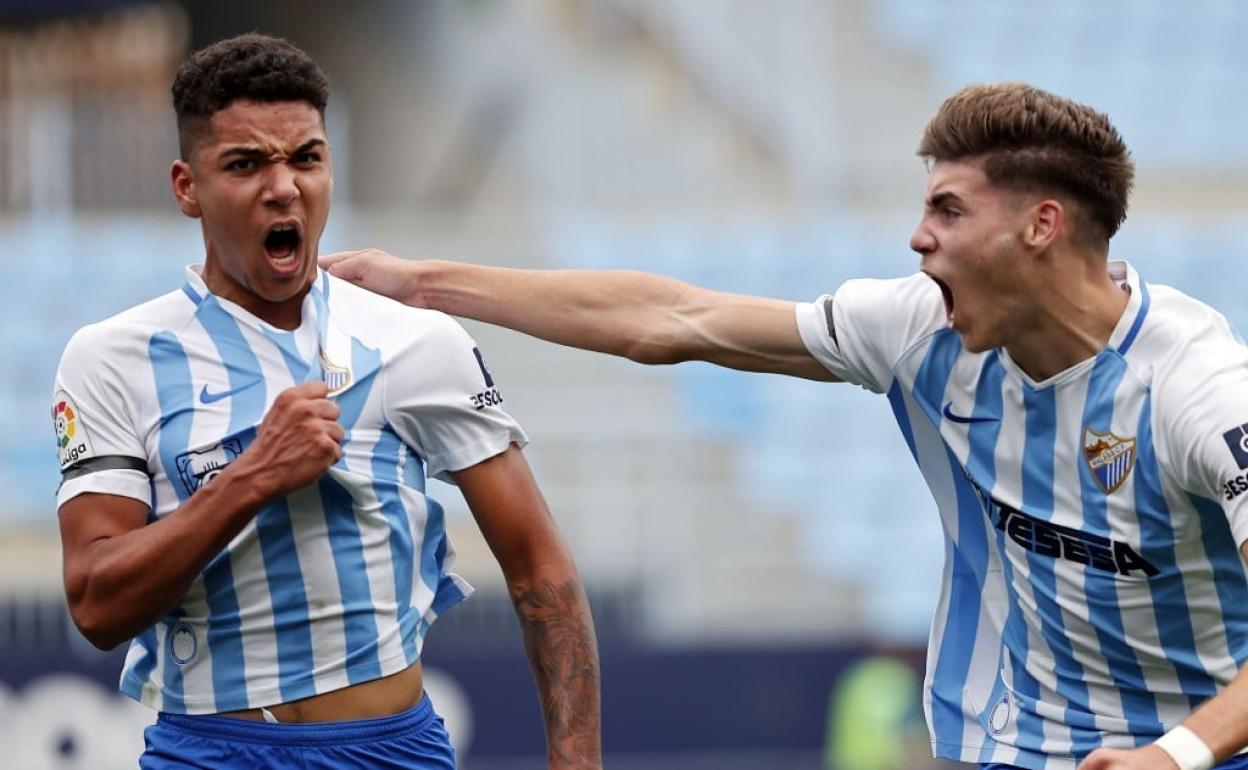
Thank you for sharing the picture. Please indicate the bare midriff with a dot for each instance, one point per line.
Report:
(377, 698)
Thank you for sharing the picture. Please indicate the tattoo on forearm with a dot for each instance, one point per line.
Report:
(559, 640)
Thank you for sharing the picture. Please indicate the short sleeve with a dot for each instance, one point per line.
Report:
(443, 401)
(92, 413)
(1205, 431)
(860, 333)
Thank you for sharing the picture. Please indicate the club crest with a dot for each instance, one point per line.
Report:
(1109, 457)
(336, 377)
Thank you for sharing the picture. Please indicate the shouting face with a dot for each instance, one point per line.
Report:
(970, 243)
(259, 178)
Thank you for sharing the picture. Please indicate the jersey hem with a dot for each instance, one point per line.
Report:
(136, 689)
(267, 697)
(1010, 755)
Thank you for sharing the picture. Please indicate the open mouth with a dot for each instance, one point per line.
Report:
(281, 246)
(947, 294)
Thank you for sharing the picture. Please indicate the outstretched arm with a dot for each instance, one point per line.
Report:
(647, 318)
(547, 593)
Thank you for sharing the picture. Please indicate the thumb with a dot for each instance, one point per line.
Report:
(338, 258)
(1101, 759)
(348, 265)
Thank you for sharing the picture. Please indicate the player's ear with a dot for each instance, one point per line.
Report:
(1045, 223)
(184, 192)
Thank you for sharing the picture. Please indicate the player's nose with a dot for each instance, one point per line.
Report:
(922, 240)
(281, 186)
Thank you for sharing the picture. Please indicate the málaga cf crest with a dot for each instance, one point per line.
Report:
(1110, 457)
(336, 377)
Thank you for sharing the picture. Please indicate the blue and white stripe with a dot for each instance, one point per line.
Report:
(1038, 655)
(332, 585)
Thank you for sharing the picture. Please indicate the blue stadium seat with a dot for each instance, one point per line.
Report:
(1176, 65)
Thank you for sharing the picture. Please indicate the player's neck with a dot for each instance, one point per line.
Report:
(285, 314)
(1070, 320)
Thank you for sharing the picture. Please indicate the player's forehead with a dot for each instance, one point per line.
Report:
(961, 179)
(268, 126)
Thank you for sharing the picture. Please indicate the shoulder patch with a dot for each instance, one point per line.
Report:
(72, 443)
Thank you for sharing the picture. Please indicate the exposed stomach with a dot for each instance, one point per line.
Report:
(378, 698)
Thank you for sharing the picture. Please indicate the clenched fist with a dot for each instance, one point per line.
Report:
(298, 440)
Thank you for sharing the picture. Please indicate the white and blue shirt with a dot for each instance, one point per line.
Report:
(335, 583)
(1093, 590)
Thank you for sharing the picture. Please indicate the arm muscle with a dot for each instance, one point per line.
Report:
(549, 600)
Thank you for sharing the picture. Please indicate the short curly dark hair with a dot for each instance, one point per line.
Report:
(250, 66)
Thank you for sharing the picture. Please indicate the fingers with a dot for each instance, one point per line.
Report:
(347, 265)
(335, 432)
(327, 260)
(1104, 759)
(1091, 762)
(328, 445)
(304, 402)
(299, 438)
(326, 410)
(309, 389)
(377, 271)
(308, 399)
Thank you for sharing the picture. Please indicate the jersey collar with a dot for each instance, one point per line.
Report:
(313, 310)
(322, 350)
(1133, 316)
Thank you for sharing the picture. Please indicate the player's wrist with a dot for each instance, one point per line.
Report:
(417, 276)
(1186, 749)
(439, 284)
(251, 483)
(433, 284)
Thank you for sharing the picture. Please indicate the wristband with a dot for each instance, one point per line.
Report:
(1186, 748)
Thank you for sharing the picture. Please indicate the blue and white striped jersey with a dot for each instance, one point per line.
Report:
(337, 582)
(1093, 590)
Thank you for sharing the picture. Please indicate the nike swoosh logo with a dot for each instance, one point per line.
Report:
(949, 415)
(209, 398)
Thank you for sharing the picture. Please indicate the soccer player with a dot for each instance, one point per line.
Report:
(244, 464)
(1082, 432)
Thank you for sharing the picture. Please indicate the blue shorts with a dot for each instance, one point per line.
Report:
(414, 739)
(1235, 763)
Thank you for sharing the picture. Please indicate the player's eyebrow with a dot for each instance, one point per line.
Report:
(941, 198)
(310, 145)
(251, 151)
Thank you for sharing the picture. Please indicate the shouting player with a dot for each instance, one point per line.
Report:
(1082, 432)
(244, 464)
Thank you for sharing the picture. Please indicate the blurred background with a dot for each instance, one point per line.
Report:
(760, 552)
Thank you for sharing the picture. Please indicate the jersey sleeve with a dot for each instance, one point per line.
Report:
(1205, 427)
(93, 411)
(860, 332)
(443, 401)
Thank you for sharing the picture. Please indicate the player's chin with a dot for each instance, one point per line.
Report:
(282, 287)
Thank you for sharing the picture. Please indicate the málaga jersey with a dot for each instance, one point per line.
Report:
(1093, 590)
(333, 584)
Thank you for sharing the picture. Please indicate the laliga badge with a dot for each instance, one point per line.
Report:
(1110, 458)
(335, 377)
(72, 443)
